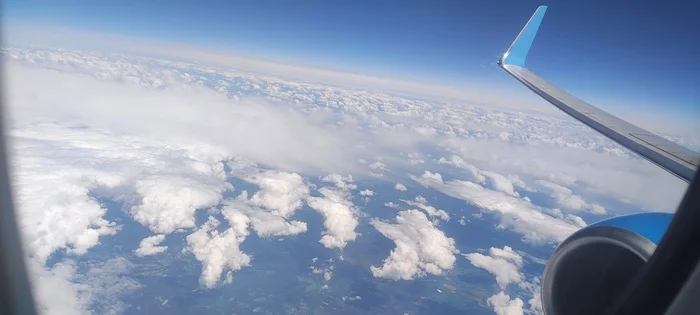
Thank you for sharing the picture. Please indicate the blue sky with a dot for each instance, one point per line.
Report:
(628, 56)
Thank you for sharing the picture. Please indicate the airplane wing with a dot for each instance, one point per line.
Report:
(670, 156)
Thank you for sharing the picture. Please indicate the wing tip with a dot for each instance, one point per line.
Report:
(517, 53)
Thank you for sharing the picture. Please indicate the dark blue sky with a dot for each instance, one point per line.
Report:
(639, 54)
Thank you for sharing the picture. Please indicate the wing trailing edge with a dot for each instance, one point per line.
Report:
(668, 155)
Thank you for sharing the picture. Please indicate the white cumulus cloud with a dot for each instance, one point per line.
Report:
(420, 247)
(168, 203)
(265, 223)
(280, 192)
(339, 214)
(422, 204)
(219, 251)
(367, 192)
(149, 245)
(503, 263)
(503, 305)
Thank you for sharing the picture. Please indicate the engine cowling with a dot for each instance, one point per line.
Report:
(592, 267)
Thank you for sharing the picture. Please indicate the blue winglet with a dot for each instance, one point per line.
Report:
(517, 52)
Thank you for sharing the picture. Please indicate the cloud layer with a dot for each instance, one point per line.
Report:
(163, 140)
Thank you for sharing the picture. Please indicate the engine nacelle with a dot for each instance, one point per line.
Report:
(590, 269)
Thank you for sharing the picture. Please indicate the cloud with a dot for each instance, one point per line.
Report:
(421, 248)
(219, 251)
(267, 212)
(496, 181)
(367, 192)
(160, 186)
(574, 158)
(503, 263)
(185, 114)
(422, 204)
(265, 222)
(80, 144)
(280, 192)
(149, 246)
(415, 158)
(168, 203)
(52, 189)
(61, 290)
(516, 214)
(566, 198)
(533, 287)
(339, 213)
(391, 205)
(400, 187)
(503, 305)
(326, 272)
(473, 171)
(56, 291)
(342, 182)
(506, 264)
(58, 37)
(377, 166)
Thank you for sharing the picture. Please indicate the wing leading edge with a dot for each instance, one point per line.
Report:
(670, 156)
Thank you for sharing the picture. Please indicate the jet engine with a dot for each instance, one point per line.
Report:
(591, 268)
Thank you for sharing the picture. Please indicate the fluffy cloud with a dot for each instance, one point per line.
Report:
(160, 186)
(503, 305)
(517, 214)
(400, 187)
(420, 247)
(503, 263)
(533, 287)
(280, 192)
(219, 251)
(168, 203)
(267, 212)
(52, 190)
(264, 222)
(56, 291)
(61, 290)
(341, 182)
(149, 245)
(422, 204)
(391, 205)
(367, 192)
(339, 213)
